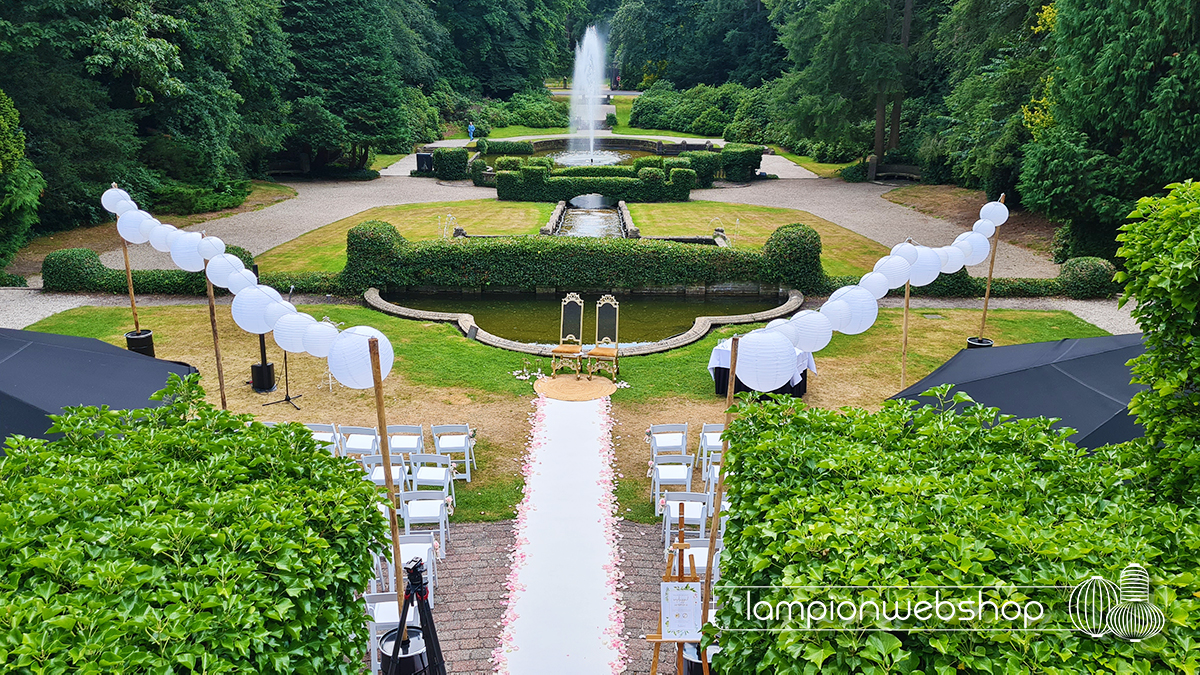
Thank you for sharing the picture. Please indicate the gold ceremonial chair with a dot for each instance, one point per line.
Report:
(569, 352)
(604, 355)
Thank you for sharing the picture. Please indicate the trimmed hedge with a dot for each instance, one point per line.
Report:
(80, 269)
(821, 501)
(478, 167)
(1082, 278)
(183, 539)
(488, 147)
(534, 184)
(706, 165)
(450, 163)
(371, 249)
(740, 161)
(962, 285)
(792, 256)
(12, 280)
(615, 170)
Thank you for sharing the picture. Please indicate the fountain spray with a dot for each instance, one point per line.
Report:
(585, 88)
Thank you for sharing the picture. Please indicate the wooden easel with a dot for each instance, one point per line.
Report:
(677, 553)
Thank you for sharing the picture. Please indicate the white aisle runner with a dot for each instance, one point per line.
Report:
(564, 613)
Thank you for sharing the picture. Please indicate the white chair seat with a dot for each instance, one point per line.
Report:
(451, 441)
(712, 440)
(360, 444)
(405, 442)
(322, 437)
(425, 508)
(389, 612)
(433, 473)
(378, 476)
(410, 551)
(669, 440)
(701, 555)
(691, 510)
(669, 472)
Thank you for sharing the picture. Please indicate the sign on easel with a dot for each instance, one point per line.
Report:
(680, 607)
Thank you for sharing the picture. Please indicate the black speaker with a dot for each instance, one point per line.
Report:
(424, 161)
(262, 377)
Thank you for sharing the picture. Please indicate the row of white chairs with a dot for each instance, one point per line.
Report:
(382, 605)
(456, 441)
(672, 466)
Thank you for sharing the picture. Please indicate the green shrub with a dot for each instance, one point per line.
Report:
(71, 269)
(181, 198)
(20, 195)
(12, 280)
(711, 122)
(792, 256)
(183, 539)
(371, 249)
(508, 163)
(649, 161)
(855, 173)
(703, 109)
(241, 253)
(315, 283)
(616, 170)
(740, 162)
(1161, 250)
(908, 497)
(338, 172)
(534, 184)
(1084, 278)
(706, 165)
(80, 270)
(486, 147)
(478, 167)
(610, 120)
(670, 163)
(450, 163)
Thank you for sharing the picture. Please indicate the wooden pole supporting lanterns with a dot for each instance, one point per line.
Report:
(904, 338)
(212, 318)
(987, 293)
(386, 451)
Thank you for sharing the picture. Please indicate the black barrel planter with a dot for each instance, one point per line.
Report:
(140, 341)
(691, 658)
(978, 342)
(414, 662)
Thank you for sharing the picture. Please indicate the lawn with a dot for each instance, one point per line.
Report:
(842, 251)
(324, 249)
(384, 161)
(440, 376)
(511, 131)
(821, 169)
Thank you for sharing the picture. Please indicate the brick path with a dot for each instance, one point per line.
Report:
(470, 594)
(643, 565)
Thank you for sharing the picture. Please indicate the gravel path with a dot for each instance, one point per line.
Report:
(1100, 313)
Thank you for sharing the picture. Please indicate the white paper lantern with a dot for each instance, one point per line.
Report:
(905, 250)
(876, 283)
(864, 308)
(350, 357)
(980, 247)
(289, 332)
(766, 360)
(955, 259)
(318, 337)
(838, 313)
(776, 322)
(221, 266)
(895, 268)
(210, 247)
(985, 227)
(112, 197)
(963, 247)
(943, 257)
(129, 226)
(275, 311)
(248, 309)
(927, 267)
(147, 225)
(995, 212)
(158, 237)
(184, 253)
(125, 206)
(813, 331)
(174, 234)
(241, 280)
(271, 293)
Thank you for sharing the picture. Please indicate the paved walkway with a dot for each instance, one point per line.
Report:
(564, 615)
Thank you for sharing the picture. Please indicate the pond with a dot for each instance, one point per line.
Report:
(576, 158)
(534, 319)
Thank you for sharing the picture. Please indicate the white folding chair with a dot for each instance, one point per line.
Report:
(385, 615)
(670, 470)
(668, 438)
(455, 439)
(699, 549)
(418, 509)
(358, 440)
(373, 465)
(418, 545)
(695, 515)
(432, 471)
(327, 437)
(710, 447)
(406, 438)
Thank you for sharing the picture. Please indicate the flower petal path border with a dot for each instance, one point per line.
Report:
(564, 611)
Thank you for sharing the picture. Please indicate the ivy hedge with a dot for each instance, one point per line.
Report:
(182, 539)
(489, 147)
(534, 184)
(930, 496)
(80, 269)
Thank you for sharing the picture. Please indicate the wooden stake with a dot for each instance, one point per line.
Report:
(386, 451)
(129, 279)
(212, 318)
(987, 293)
(904, 339)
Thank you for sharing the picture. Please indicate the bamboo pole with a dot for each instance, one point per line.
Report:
(212, 318)
(706, 596)
(129, 280)
(987, 293)
(904, 338)
(386, 450)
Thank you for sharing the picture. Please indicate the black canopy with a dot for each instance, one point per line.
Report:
(1083, 381)
(40, 373)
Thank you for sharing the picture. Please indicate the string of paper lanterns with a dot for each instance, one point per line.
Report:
(851, 310)
(256, 308)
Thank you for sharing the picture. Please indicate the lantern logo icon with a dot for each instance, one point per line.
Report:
(1098, 607)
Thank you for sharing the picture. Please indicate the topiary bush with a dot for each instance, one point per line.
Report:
(183, 539)
(1084, 278)
(450, 163)
(371, 249)
(71, 269)
(478, 167)
(792, 256)
(486, 147)
(80, 269)
(535, 184)
(911, 497)
(706, 165)
(740, 162)
(615, 170)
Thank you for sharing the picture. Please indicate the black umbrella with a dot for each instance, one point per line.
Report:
(41, 373)
(1085, 382)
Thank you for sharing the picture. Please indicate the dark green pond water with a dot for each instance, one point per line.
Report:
(527, 318)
